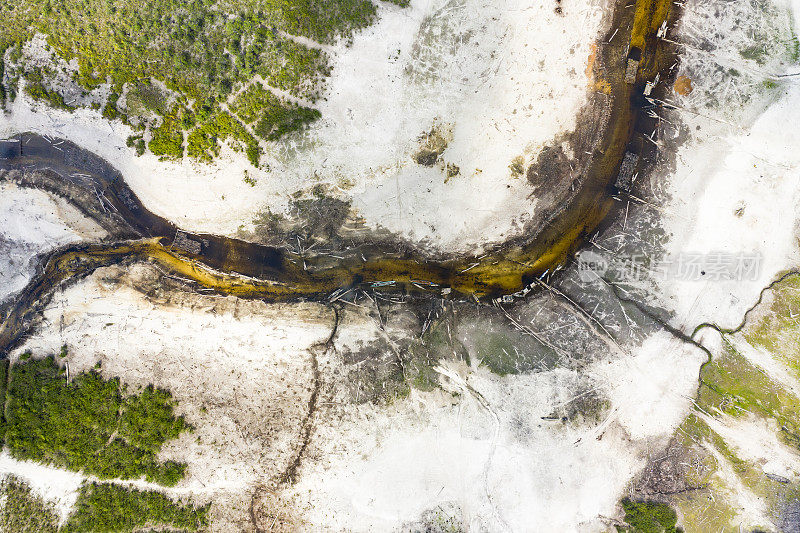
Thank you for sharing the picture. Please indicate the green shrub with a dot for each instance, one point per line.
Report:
(195, 48)
(204, 141)
(167, 140)
(89, 424)
(23, 511)
(36, 89)
(110, 111)
(280, 121)
(275, 116)
(111, 508)
(649, 517)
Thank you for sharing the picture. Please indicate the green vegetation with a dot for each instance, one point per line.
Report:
(99, 508)
(199, 52)
(110, 111)
(757, 53)
(732, 385)
(36, 88)
(111, 508)
(22, 511)
(144, 96)
(500, 355)
(204, 142)
(3, 95)
(517, 166)
(136, 142)
(167, 140)
(649, 517)
(278, 122)
(777, 330)
(89, 424)
(275, 117)
(712, 509)
(3, 385)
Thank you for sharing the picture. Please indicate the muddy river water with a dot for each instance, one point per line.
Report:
(248, 270)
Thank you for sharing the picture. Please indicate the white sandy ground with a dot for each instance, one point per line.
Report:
(752, 439)
(240, 373)
(758, 169)
(755, 439)
(740, 156)
(60, 487)
(509, 76)
(31, 223)
(489, 452)
(662, 368)
(749, 508)
(243, 382)
(486, 449)
(748, 160)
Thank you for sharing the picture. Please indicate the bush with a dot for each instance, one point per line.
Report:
(110, 111)
(649, 517)
(194, 48)
(111, 508)
(23, 511)
(89, 424)
(36, 89)
(167, 140)
(204, 141)
(275, 116)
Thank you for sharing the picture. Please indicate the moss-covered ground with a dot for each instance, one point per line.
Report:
(731, 388)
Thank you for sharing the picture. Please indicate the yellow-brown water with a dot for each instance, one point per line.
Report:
(278, 275)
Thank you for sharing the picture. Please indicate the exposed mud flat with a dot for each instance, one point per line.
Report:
(32, 224)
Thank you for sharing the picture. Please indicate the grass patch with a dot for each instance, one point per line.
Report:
(110, 111)
(778, 330)
(735, 387)
(90, 424)
(103, 507)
